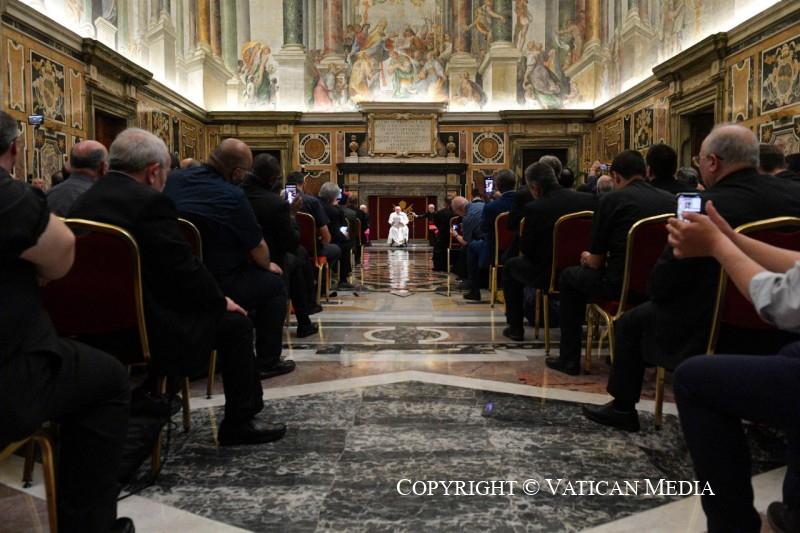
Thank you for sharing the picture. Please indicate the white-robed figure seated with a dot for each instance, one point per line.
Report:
(398, 233)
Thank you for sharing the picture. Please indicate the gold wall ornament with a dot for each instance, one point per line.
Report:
(353, 146)
(451, 146)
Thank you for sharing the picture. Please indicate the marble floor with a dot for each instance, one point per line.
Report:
(405, 382)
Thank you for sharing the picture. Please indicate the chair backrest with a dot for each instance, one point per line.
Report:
(102, 293)
(308, 232)
(503, 236)
(453, 244)
(730, 306)
(192, 236)
(646, 241)
(359, 234)
(571, 234)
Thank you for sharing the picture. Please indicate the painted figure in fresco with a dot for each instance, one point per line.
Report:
(257, 71)
(431, 79)
(359, 40)
(522, 23)
(322, 90)
(673, 24)
(469, 93)
(574, 33)
(482, 21)
(401, 73)
(446, 49)
(361, 77)
(541, 84)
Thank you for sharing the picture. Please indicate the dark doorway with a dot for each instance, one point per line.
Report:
(107, 127)
(532, 155)
(696, 126)
(274, 153)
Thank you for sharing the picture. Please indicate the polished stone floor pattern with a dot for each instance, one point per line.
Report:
(338, 467)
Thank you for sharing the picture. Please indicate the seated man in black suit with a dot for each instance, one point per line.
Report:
(662, 164)
(772, 160)
(328, 194)
(44, 378)
(532, 268)
(88, 162)
(275, 217)
(603, 265)
(674, 324)
(186, 313)
(234, 249)
(441, 219)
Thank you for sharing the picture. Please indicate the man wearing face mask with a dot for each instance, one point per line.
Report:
(234, 249)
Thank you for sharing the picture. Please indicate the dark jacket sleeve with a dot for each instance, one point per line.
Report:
(170, 264)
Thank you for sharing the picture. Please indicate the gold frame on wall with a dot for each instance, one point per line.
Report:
(373, 117)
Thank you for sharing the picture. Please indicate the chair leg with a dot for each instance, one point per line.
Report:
(155, 458)
(546, 313)
(319, 284)
(587, 360)
(448, 272)
(49, 476)
(611, 340)
(187, 418)
(30, 459)
(659, 414)
(492, 285)
(212, 370)
(537, 312)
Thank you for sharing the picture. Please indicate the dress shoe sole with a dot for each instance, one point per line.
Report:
(570, 371)
(250, 440)
(266, 374)
(308, 333)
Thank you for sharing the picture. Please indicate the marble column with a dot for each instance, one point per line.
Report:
(461, 63)
(229, 44)
(180, 28)
(86, 26)
(587, 72)
(156, 6)
(123, 26)
(593, 24)
(215, 28)
(637, 39)
(242, 24)
(644, 11)
(161, 39)
(333, 27)
(500, 67)
(502, 29)
(203, 24)
(292, 59)
(311, 25)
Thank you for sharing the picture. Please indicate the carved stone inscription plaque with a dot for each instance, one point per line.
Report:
(402, 134)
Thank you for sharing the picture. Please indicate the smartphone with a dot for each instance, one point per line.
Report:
(455, 228)
(344, 230)
(489, 184)
(36, 120)
(291, 193)
(603, 168)
(689, 202)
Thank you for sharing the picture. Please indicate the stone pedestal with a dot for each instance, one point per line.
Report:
(206, 81)
(106, 32)
(587, 74)
(292, 77)
(638, 41)
(161, 43)
(460, 64)
(234, 89)
(500, 74)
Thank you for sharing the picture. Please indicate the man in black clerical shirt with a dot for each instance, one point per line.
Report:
(532, 268)
(234, 249)
(442, 221)
(276, 219)
(337, 227)
(89, 162)
(674, 324)
(186, 313)
(313, 206)
(602, 266)
(772, 160)
(44, 378)
(662, 163)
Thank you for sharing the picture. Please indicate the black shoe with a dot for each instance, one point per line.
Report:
(314, 309)
(474, 296)
(345, 286)
(145, 402)
(306, 330)
(782, 519)
(123, 525)
(573, 368)
(251, 432)
(462, 285)
(608, 415)
(282, 367)
(515, 334)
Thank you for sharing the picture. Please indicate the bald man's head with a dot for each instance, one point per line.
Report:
(459, 205)
(728, 148)
(232, 159)
(89, 158)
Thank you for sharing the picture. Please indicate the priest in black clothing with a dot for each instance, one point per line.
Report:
(662, 164)
(603, 264)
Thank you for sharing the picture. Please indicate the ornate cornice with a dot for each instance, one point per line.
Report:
(538, 115)
(110, 62)
(260, 117)
(694, 59)
(638, 92)
(158, 91)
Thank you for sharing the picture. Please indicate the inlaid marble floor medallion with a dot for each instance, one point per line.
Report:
(399, 270)
(345, 452)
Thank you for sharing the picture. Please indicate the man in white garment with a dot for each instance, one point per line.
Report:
(398, 234)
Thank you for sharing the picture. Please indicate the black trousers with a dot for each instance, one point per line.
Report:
(577, 286)
(518, 273)
(714, 394)
(87, 392)
(627, 371)
(234, 344)
(345, 261)
(295, 272)
(263, 295)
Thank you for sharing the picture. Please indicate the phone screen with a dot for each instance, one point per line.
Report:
(343, 229)
(291, 193)
(455, 228)
(689, 203)
(489, 182)
(35, 120)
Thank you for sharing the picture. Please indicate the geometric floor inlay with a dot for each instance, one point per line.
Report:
(338, 467)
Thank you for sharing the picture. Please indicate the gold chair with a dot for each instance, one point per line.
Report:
(42, 439)
(452, 245)
(503, 237)
(308, 239)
